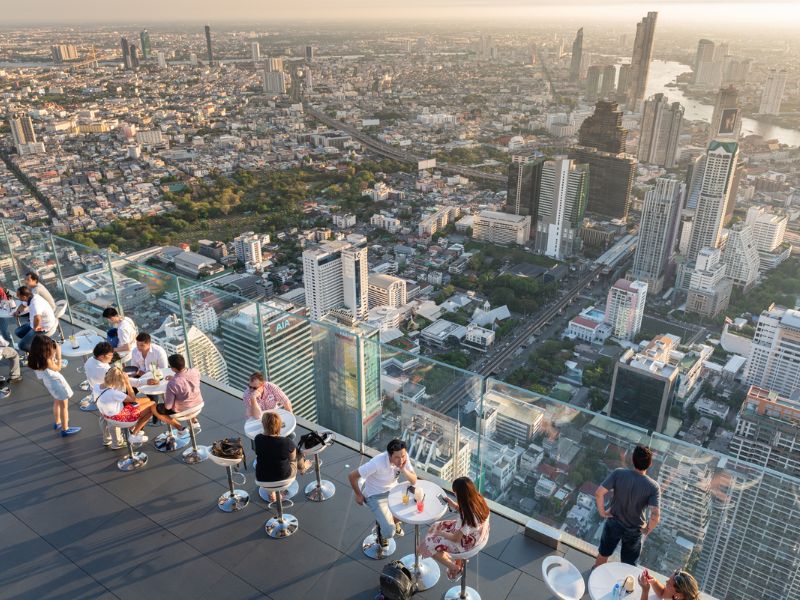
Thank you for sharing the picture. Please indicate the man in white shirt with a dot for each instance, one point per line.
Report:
(7, 353)
(380, 475)
(37, 287)
(41, 315)
(96, 368)
(126, 332)
(146, 354)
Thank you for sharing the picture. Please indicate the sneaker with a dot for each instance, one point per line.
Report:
(398, 530)
(16, 379)
(183, 433)
(196, 427)
(56, 425)
(138, 438)
(117, 445)
(70, 431)
(4, 393)
(106, 443)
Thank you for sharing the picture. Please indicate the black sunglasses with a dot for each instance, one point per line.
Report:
(254, 387)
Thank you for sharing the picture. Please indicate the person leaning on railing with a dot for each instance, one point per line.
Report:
(681, 586)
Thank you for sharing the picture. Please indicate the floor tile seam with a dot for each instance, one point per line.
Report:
(60, 552)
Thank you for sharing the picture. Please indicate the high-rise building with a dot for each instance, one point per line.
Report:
(162, 59)
(715, 192)
(594, 78)
(205, 356)
(625, 308)
(603, 129)
(501, 228)
(740, 256)
(434, 440)
(22, 129)
(386, 290)
(274, 82)
(772, 94)
(703, 58)
(750, 548)
(209, 52)
(144, 38)
(608, 88)
(660, 131)
(655, 250)
(775, 352)
(335, 275)
(768, 228)
(524, 184)
(644, 383)
(248, 248)
(255, 51)
(726, 121)
(640, 60)
(611, 179)
(126, 52)
(622, 82)
(133, 56)
(64, 53)
(288, 350)
(577, 53)
(273, 64)
(309, 54)
(686, 478)
(562, 204)
(709, 288)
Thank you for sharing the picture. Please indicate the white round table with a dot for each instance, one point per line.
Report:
(158, 389)
(426, 571)
(252, 427)
(86, 344)
(604, 577)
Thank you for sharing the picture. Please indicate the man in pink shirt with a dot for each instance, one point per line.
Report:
(262, 395)
(183, 392)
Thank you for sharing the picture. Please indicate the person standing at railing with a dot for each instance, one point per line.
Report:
(42, 318)
(37, 287)
(122, 334)
(626, 522)
(262, 395)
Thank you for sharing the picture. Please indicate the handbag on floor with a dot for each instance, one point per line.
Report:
(397, 582)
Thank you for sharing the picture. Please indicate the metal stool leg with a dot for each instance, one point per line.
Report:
(462, 592)
(233, 500)
(283, 525)
(194, 455)
(134, 460)
(319, 490)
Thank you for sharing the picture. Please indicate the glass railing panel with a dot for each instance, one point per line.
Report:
(8, 275)
(559, 455)
(33, 252)
(87, 281)
(428, 404)
(735, 525)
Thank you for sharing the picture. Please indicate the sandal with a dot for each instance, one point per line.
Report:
(454, 575)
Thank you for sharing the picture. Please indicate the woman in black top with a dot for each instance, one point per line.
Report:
(277, 456)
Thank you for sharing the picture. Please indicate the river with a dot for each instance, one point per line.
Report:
(664, 72)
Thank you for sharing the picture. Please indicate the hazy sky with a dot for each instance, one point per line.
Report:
(779, 13)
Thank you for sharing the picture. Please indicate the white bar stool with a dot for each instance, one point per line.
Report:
(462, 592)
(196, 453)
(134, 460)
(319, 490)
(283, 525)
(233, 500)
(563, 578)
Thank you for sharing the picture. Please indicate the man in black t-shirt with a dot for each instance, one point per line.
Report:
(626, 522)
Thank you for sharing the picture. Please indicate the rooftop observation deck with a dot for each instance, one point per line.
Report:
(74, 526)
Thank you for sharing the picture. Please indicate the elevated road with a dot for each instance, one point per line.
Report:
(393, 153)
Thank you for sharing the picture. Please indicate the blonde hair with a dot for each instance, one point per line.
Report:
(271, 422)
(115, 378)
(688, 586)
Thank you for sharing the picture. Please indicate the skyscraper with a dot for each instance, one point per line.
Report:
(625, 308)
(205, 356)
(608, 87)
(133, 56)
(64, 52)
(740, 256)
(772, 94)
(335, 275)
(660, 131)
(726, 122)
(209, 52)
(144, 38)
(622, 82)
(640, 60)
(603, 129)
(702, 59)
(126, 53)
(644, 383)
(709, 289)
(274, 81)
(594, 77)
(562, 203)
(577, 55)
(714, 194)
(655, 250)
(610, 181)
(22, 129)
(255, 51)
(248, 248)
(775, 352)
(309, 54)
(524, 185)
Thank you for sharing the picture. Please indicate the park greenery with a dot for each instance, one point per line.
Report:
(781, 286)
(544, 366)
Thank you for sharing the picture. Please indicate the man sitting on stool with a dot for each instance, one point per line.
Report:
(380, 475)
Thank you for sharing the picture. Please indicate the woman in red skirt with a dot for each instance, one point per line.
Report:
(116, 401)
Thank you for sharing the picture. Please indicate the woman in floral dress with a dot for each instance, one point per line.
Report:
(454, 536)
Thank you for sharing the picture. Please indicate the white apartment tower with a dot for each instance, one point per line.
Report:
(714, 194)
(562, 203)
(625, 308)
(660, 130)
(255, 51)
(740, 256)
(775, 354)
(386, 290)
(274, 81)
(335, 275)
(248, 248)
(772, 94)
(768, 228)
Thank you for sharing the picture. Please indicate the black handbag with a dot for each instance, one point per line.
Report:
(312, 439)
(228, 448)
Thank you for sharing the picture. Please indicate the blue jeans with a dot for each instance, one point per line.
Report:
(379, 505)
(4, 323)
(615, 532)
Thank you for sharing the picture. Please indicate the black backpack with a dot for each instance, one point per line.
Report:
(396, 582)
